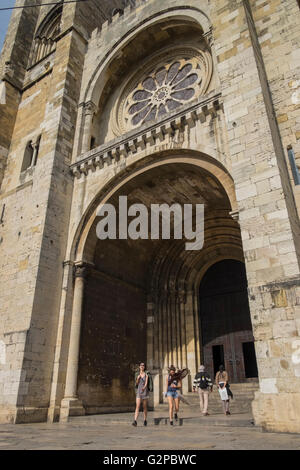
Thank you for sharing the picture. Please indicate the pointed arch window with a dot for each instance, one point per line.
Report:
(46, 35)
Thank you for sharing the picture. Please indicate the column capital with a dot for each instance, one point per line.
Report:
(82, 270)
(208, 36)
(90, 108)
(182, 296)
(235, 215)
(35, 143)
(68, 262)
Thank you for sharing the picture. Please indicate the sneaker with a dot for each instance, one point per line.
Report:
(171, 423)
(176, 417)
(134, 423)
(145, 422)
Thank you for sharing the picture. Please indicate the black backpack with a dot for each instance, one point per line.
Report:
(203, 384)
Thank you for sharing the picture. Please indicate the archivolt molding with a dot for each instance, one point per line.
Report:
(191, 157)
(175, 268)
(188, 12)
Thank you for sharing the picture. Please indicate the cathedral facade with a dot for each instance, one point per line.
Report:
(167, 102)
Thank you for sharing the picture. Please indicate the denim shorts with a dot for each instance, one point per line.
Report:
(173, 394)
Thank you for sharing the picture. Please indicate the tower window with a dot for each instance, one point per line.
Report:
(45, 38)
(31, 154)
(28, 156)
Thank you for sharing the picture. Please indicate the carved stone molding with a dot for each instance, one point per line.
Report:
(8, 70)
(235, 215)
(147, 136)
(81, 270)
(90, 108)
(182, 297)
(209, 39)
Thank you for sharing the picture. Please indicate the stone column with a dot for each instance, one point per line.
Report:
(170, 338)
(36, 146)
(181, 306)
(174, 327)
(61, 343)
(190, 333)
(150, 333)
(197, 330)
(179, 327)
(157, 387)
(89, 111)
(71, 405)
(157, 333)
(165, 338)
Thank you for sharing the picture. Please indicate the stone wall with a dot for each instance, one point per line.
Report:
(35, 227)
(268, 218)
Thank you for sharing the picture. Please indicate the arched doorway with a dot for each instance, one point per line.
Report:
(225, 321)
(141, 297)
(140, 302)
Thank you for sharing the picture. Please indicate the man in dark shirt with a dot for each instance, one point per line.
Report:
(204, 384)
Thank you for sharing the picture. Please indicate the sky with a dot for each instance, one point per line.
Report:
(4, 18)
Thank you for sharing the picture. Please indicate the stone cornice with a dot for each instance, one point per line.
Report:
(146, 136)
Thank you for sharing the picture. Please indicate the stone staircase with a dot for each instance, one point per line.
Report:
(243, 395)
(189, 415)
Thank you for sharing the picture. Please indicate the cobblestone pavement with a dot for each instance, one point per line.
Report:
(101, 434)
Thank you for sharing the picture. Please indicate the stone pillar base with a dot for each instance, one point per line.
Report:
(53, 414)
(71, 407)
(277, 412)
(23, 414)
(186, 384)
(157, 388)
(8, 414)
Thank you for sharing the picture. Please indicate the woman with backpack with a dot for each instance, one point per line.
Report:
(143, 384)
(204, 384)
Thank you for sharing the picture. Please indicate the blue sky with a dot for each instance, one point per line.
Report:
(4, 18)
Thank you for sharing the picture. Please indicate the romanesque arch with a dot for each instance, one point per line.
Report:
(139, 298)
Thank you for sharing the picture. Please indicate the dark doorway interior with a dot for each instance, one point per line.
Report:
(218, 357)
(225, 321)
(250, 360)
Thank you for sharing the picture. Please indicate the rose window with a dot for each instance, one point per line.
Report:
(161, 85)
(164, 90)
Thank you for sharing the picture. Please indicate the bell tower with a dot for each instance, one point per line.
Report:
(13, 65)
(41, 68)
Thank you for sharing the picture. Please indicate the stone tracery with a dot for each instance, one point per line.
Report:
(166, 89)
(170, 81)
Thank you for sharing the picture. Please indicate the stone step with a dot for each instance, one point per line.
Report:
(161, 419)
(216, 397)
(214, 407)
(243, 395)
